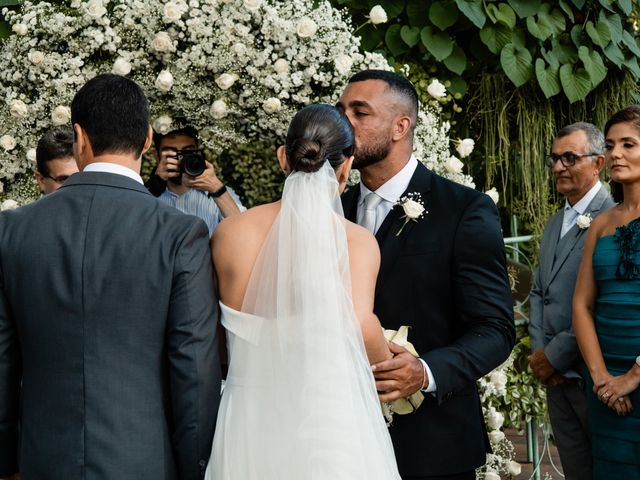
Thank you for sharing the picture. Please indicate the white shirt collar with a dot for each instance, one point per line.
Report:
(393, 188)
(108, 167)
(582, 204)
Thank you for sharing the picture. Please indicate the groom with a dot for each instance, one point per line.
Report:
(108, 360)
(444, 275)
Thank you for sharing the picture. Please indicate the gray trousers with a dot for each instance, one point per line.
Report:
(570, 423)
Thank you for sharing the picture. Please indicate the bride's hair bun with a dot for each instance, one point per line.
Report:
(306, 155)
(316, 134)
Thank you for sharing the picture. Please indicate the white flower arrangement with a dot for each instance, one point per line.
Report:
(584, 221)
(236, 69)
(413, 208)
(377, 15)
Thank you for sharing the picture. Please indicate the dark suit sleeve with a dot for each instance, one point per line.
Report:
(535, 319)
(193, 353)
(155, 184)
(10, 375)
(483, 303)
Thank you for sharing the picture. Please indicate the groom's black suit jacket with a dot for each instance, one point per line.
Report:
(108, 319)
(445, 276)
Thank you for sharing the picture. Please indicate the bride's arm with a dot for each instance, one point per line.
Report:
(364, 262)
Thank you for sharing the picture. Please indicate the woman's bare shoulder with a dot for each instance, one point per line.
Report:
(239, 231)
(361, 241)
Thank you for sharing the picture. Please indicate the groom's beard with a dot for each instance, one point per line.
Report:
(366, 155)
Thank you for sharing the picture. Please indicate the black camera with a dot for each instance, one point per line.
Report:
(192, 162)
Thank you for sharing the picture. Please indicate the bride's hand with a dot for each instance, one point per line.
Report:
(399, 376)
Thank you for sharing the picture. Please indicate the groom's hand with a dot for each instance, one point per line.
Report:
(399, 376)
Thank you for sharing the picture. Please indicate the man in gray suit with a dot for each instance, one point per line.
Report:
(576, 161)
(108, 353)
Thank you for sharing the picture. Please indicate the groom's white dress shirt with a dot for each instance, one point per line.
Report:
(390, 192)
(108, 167)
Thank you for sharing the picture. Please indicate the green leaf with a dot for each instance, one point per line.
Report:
(5, 30)
(556, 18)
(457, 61)
(599, 33)
(439, 44)
(576, 85)
(550, 57)
(10, 3)
(578, 36)
(516, 63)
(442, 15)
(632, 65)
(566, 8)
(614, 22)
(547, 79)
(417, 13)
(394, 41)
(613, 53)
(607, 4)
(472, 9)
(458, 85)
(518, 38)
(631, 43)
(525, 8)
(626, 6)
(410, 35)
(579, 3)
(371, 37)
(506, 15)
(593, 65)
(495, 37)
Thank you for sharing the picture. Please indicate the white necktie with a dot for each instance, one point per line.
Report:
(371, 202)
(568, 220)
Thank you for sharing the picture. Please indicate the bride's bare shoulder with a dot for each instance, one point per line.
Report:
(360, 239)
(239, 230)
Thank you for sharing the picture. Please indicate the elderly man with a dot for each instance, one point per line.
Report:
(576, 161)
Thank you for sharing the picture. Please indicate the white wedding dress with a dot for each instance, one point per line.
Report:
(299, 401)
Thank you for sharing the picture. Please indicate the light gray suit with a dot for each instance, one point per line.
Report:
(108, 352)
(550, 328)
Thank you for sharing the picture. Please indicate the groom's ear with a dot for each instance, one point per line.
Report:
(282, 159)
(343, 170)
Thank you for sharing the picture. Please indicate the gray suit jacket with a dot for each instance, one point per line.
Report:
(108, 353)
(552, 293)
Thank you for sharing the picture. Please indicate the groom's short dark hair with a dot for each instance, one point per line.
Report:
(396, 82)
(114, 113)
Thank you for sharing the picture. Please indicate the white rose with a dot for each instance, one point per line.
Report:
(495, 419)
(162, 42)
(465, 147)
(164, 81)
(491, 476)
(31, 154)
(496, 436)
(252, 4)
(19, 109)
(121, 67)
(583, 221)
(218, 109)
(499, 379)
(514, 468)
(281, 66)
(36, 57)
(436, 89)
(7, 142)
(61, 115)
(172, 12)
(9, 205)
(453, 165)
(271, 105)
(226, 80)
(306, 28)
(343, 64)
(20, 29)
(493, 193)
(95, 8)
(162, 124)
(412, 209)
(377, 15)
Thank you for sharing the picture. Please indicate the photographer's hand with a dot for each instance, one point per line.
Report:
(168, 166)
(210, 183)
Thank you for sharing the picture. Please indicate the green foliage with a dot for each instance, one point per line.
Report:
(572, 44)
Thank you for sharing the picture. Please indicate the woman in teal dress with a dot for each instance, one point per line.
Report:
(606, 308)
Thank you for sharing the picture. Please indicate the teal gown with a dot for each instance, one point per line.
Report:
(616, 266)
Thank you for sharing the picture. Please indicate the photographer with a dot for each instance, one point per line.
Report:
(186, 181)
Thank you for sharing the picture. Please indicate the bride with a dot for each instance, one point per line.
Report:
(296, 285)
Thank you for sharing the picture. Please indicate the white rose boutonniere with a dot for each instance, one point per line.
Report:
(413, 209)
(583, 221)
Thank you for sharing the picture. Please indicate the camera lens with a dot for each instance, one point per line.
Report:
(191, 162)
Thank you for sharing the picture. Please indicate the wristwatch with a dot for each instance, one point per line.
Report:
(218, 192)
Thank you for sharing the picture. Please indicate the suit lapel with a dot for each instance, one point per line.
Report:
(350, 203)
(555, 225)
(569, 241)
(391, 243)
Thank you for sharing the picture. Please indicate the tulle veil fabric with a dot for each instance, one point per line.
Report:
(300, 400)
